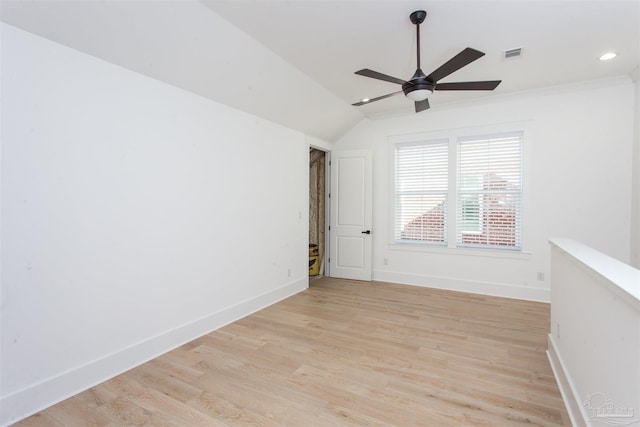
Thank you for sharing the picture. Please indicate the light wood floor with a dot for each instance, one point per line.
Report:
(344, 353)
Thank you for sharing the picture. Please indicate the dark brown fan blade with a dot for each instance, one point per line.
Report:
(376, 75)
(357, 104)
(422, 105)
(485, 85)
(465, 57)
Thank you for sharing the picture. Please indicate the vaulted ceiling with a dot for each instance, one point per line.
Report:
(293, 62)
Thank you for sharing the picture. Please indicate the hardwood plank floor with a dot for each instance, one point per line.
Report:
(344, 353)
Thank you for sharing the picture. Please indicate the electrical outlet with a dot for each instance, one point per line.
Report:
(540, 276)
(288, 272)
(385, 261)
(558, 330)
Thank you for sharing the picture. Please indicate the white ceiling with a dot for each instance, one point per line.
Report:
(328, 41)
(293, 61)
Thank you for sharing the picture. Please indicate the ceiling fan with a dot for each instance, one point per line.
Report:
(420, 86)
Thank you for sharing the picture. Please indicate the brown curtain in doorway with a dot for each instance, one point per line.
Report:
(317, 201)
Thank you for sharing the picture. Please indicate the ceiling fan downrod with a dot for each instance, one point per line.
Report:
(418, 88)
(417, 18)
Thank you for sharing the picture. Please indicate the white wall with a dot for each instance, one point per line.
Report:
(578, 142)
(135, 217)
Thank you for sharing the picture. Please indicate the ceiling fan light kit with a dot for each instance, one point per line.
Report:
(420, 86)
(418, 94)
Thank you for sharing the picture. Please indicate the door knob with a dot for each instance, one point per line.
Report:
(366, 232)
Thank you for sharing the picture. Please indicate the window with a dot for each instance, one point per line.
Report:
(422, 191)
(489, 175)
(460, 191)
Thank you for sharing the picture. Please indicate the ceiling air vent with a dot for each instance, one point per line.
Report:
(512, 53)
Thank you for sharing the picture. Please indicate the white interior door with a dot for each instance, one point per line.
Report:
(351, 214)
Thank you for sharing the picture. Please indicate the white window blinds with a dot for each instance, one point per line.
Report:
(489, 191)
(421, 187)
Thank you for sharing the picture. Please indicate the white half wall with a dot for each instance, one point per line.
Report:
(635, 185)
(594, 341)
(136, 216)
(577, 183)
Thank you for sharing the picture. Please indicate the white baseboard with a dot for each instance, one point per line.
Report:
(567, 389)
(37, 397)
(461, 285)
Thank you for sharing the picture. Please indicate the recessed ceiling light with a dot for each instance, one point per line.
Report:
(607, 56)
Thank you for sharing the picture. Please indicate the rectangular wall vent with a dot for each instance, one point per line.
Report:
(512, 53)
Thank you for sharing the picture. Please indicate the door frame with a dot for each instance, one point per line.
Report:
(327, 213)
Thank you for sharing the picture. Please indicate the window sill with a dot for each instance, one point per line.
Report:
(442, 250)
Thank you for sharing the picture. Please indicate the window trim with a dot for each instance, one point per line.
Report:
(459, 251)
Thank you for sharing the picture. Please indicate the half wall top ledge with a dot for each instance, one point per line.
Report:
(622, 275)
(188, 45)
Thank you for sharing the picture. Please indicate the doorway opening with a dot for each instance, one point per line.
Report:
(317, 211)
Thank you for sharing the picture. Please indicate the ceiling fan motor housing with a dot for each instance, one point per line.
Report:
(418, 82)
